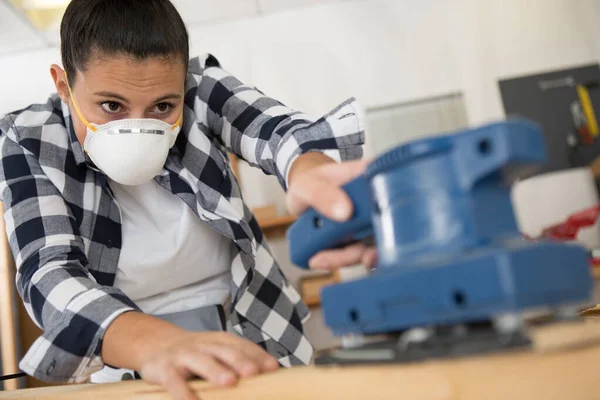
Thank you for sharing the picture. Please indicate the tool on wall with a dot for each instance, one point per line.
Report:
(585, 123)
(582, 134)
(454, 275)
(588, 108)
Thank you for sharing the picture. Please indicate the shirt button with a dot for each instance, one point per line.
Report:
(51, 367)
(110, 244)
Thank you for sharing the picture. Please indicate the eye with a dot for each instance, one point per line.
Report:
(163, 108)
(111, 107)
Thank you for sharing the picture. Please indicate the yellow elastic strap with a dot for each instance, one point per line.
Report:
(81, 117)
(178, 123)
(588, 109)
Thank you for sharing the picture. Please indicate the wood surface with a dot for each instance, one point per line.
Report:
(233, 160)
(272, 223)
(278, 222)
(310, 287)
(595, 166)
(8, 334)
(29, 332)
(564, 366)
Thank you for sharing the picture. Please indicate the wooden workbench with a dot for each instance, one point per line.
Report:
(564, 366)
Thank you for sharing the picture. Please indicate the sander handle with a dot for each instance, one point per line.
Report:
(313, 232)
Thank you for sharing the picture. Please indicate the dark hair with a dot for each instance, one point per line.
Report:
(137, 28)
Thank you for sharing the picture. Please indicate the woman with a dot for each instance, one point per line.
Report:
(134, 248)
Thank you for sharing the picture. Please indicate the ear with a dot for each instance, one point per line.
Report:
(60, 81)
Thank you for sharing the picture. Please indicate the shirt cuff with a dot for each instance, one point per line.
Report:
(70, 350)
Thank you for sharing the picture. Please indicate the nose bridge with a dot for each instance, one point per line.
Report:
(139, 104)
(138, 112)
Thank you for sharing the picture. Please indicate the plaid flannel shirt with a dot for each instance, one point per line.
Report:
(64, 230)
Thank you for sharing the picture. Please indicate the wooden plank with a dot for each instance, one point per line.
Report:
(29, 332)
(310, 287)
(281, 221)
(233, 160)
(270, 222)
(559, 371)
(8, 336)
(592, 313)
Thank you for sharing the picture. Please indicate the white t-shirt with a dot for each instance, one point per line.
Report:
(170, 260)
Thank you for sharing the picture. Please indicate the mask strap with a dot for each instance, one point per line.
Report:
(78, 112)
(178, 123)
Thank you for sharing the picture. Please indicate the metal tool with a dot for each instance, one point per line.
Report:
(454, 276)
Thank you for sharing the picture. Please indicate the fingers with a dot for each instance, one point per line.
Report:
(218, 357)
(340, 174)
(369, 258)
(178, 387)
(325, 197)
(321, 189)
(207, 366)
(331, 259)
(354, 254)
(264, 360)
(236, 360)
(171, 378)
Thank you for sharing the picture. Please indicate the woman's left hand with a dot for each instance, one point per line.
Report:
(315, 181)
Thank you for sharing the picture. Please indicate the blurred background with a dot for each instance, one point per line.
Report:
(417, 67)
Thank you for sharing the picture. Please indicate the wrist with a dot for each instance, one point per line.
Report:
(133, 338)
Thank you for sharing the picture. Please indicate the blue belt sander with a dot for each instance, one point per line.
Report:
(454, 276)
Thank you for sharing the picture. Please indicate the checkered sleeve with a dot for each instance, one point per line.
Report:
(59, 293)
(267, 134)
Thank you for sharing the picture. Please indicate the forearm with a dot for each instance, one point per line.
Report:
(134, 336)
(267, 134)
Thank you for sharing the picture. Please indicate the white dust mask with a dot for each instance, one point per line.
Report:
(129, 151)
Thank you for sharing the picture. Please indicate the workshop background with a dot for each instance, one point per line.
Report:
(417, 67)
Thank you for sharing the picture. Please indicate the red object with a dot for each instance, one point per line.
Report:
(586, 137)
(568, 230)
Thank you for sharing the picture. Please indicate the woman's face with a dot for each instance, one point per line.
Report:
(118, 87)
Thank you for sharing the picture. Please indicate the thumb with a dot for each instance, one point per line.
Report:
(343, 173)
(327, 198)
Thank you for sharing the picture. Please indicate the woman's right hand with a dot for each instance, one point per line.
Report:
(168, 356)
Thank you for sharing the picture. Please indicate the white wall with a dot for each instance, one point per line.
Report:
(385, 51)
(500, 39)
(381, 51)
(378, 51)
(25, 78)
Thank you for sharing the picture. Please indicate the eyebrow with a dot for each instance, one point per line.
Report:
(173, 96)
(112, 95)
(124, 100)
